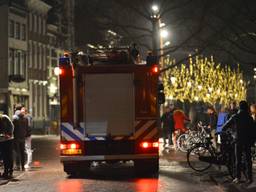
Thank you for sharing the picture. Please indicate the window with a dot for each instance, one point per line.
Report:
(16, 62)
(43, 25)
(30, 24)
(38, 56)
(23, 33)
(29, 54)
(11, 28)
(23, 59)
(43, 58)
(21, 67)
(37, 24)
(34, 23)
(24, 63)
(33, 54)
(11, 61)
(19, 62)
(17, 31)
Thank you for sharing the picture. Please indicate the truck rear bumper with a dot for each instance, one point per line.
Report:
(108, 157)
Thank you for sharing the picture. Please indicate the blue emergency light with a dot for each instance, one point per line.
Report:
(64, 61)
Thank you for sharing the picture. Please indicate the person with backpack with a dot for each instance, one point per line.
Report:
(6, 145)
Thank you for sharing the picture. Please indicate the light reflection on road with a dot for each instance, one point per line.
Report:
(144, 185)
(70, 186)
(79, 185)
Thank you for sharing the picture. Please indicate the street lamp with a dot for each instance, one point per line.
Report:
(155, 8)
(164, 33)
(167, 43)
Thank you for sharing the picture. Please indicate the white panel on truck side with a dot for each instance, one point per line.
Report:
(109, 104)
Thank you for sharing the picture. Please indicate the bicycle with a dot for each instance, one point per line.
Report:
(202, 155)
(187, 140)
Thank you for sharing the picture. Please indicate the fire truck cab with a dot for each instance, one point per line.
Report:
(109, 113)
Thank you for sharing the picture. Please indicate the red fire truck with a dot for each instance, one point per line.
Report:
(108, 114)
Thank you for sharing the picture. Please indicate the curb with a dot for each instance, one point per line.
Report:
(14, 179)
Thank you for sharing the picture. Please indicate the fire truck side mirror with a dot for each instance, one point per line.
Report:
(161, 95)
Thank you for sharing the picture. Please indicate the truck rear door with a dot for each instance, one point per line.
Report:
(109, 107)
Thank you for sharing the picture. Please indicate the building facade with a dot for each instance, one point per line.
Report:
(13, 56)
(37, 66)
(30, 47)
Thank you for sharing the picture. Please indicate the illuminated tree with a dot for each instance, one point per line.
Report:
(204, 80)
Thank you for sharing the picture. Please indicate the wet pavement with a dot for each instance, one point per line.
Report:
(47, 175)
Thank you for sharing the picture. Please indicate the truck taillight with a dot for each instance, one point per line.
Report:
(74, 146)
(70, 148)
(58, 71)
(63, 146)
(147, 145)
(155, 69)
(144, 145)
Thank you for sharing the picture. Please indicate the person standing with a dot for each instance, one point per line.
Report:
(179, 118)
(20, 132)
(253, 111)
(212, 115)
(167, 124)
(222, 118)
(233, 109)
(243, 126)
(28, 149)
(6, 145)
(253, 114)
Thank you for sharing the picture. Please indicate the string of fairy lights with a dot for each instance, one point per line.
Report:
(202, 79)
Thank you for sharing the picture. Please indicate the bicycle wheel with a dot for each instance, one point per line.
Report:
(182, 142)
(200, 158)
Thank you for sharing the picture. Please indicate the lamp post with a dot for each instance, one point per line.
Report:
(159, 34)
(163, 35)
(155, 25)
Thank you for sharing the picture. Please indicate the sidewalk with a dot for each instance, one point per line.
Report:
(16, 176)
(220, 177)
(226, 182)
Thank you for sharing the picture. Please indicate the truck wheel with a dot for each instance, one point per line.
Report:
(146, 166)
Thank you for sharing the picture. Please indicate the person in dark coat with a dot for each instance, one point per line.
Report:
(21, 130)
(243, 126)
(6, 145)
(232, 110)
(168, 124)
